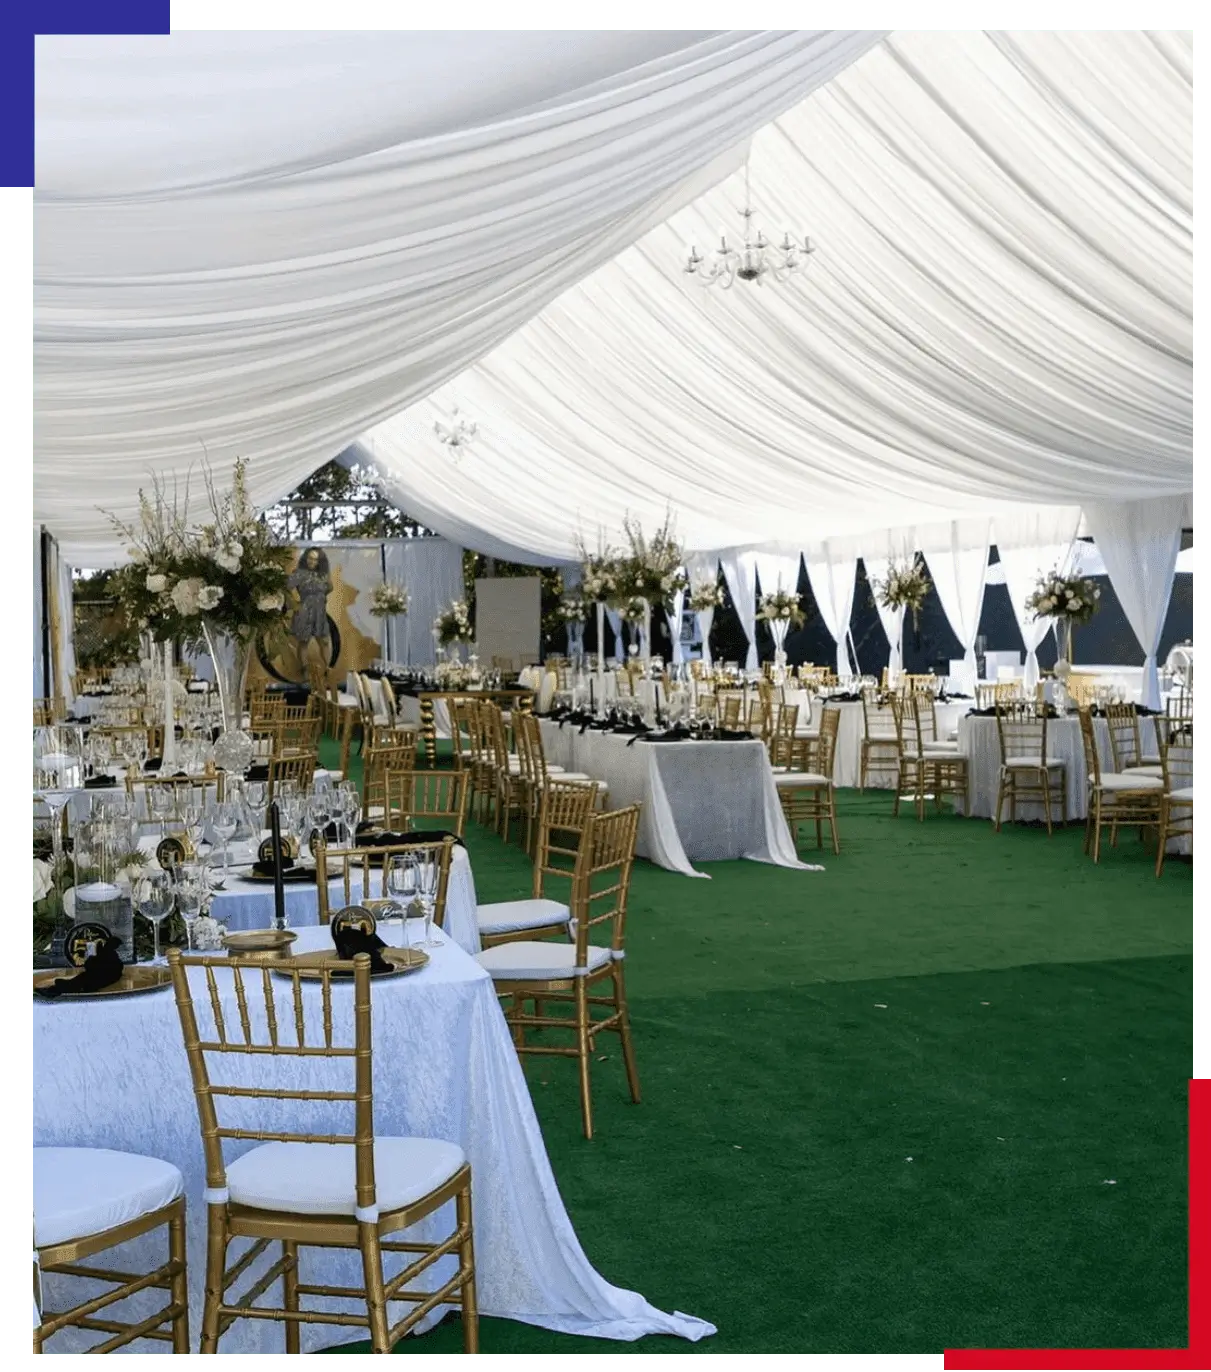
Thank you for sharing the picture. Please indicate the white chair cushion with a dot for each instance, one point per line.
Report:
(941, 745)
(505, 916)
(1185, 793)
(1129, 781)
(808, 733)
(1149, 769)
(320, 1178)
(1032, 762)
(801, 779)
(83, 1191)
(537, 961)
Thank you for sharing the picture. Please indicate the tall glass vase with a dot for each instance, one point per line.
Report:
(779, 628)
(645, 646)
(705, 619)
(233, 749)
(1063, 661)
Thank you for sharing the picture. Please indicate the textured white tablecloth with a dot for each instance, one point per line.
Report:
(113, 1074)
(978, 739)
(702, 802)
(249, 904)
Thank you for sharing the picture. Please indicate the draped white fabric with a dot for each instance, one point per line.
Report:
(833, 580)
(1139, 542)
(432, 571)
(704, 567)
(1028, 548)
(896, 550)
(740, 573)
(674, 618)
(998, 315)
(40, 683)
(264, 243)
(957, 555)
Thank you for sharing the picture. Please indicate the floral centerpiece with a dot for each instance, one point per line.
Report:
(780, 609)
(705, 595)
(458, 676)
(453, 625)
(652, 569)
(388, 598)
(1069, 600)
(55, 880)
(599, 577)
(572, 612)
(904, 588)
(221, 583)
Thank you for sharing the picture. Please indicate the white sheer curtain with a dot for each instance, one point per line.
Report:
(40, 683)
(898, 550)
(1139, 542)
(957, 556)
(832, 580)
(704, 567)
(674, 618)
(615, 619)
(740, 573)
(431, 570)
(67, 628)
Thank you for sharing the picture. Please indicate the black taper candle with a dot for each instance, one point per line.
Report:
(279, 886)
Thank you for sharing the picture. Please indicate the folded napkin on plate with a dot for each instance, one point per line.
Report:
(153, 764)
(101, 968)
(350, 941)
(370, 837)
(289, 871)
(259, 771)
(98, 782)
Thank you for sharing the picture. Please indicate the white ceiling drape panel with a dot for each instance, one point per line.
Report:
(832, 580)
(265, 243)
(1139, 542)
(997, 317)
(957, 556)
(778, 571)
(740, 573)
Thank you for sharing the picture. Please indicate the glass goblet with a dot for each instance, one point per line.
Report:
(154, 897)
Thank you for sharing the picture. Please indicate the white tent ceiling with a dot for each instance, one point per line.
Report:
(998, 318)
(263, 243)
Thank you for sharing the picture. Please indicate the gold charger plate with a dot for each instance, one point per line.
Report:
(312, 964)
(287, 881)
(133, 982)
(264, 945)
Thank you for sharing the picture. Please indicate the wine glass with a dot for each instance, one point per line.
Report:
(224, 820)
(155, 894)
(401, 886)
(190, 891)
(160, 805)
(255, 793)
(426, 875)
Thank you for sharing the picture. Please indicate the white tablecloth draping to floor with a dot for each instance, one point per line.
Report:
(113, 1074)
(245, 904)
(702, 802)
(978, 739)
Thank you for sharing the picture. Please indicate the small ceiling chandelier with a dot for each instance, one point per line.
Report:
(757, 260)
(456, 435)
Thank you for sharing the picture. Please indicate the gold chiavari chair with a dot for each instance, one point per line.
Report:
(728, 708)
(302, 1188)
(78, 1195)
(503, 664)
(1082, 689)
(1132, 798)
(389, 701)
(202, 788)
(508, 780)
(393, 736)
(297, 767)
(567, 973)
(915, 754)
(781, 727)
(357, 868)
(810, 796)
(1027, 773)
(1177, 800)
(562, 816)
(535, 771)
(48, 710)
(376, 763)
(943, 767)
(1123, 726)
(912, 682)
(418, 800)
(880, 749)
(991, 694)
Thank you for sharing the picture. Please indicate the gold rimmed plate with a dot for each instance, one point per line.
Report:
(265, 945)
(325, 959)
(133, 982)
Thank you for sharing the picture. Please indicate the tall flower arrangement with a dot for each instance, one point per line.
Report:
(453, 625)
(1064, 597)
(599, 576)
(388, 598)
(652, 567)
(705, 594)
(781, 607)
(904, 588)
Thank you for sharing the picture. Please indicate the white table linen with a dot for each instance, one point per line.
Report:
(114, 1074)
(702, 802)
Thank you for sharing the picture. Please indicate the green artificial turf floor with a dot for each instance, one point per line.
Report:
(934, 1096)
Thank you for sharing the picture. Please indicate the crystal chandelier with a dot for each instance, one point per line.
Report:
(757, 260)
(456, 435)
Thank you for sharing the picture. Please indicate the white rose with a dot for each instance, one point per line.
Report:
(69, 903)
(209, 597)
(157, 582)
(1046, 604)
(42, 879)
(273, 601)
(228, 560)
(185, 595)
(1075, 603)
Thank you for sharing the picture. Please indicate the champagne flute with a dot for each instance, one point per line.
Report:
(155, 894)
(426, 869)
(190, 897)
(401, 886)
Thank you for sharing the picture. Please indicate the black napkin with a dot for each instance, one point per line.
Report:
(100, 969)
(351, 940)
(99, 782)
(289, 871)
(259, 771)
(674, 735)
(153, 764)
(370, 837)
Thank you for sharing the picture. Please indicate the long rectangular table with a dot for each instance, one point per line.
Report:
(702, 802)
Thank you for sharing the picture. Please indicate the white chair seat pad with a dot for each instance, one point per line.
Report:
(941, 745)
(1129, 781)
(801, 779)
(523, 961)
(1032, 762)
(1148, 769)
(506, 916)
(83, 1191)
(321, 1178)
(1185, 793)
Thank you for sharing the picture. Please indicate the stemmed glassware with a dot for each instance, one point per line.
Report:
(402, 885)
(58, 774)
(224, 820)
(155, 893)
(190, 891)
(426, 883)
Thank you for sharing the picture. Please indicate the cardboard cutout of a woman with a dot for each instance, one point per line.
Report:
(312, 582)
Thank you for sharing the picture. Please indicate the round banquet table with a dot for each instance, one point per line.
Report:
(979, 741)
(112, 1073)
